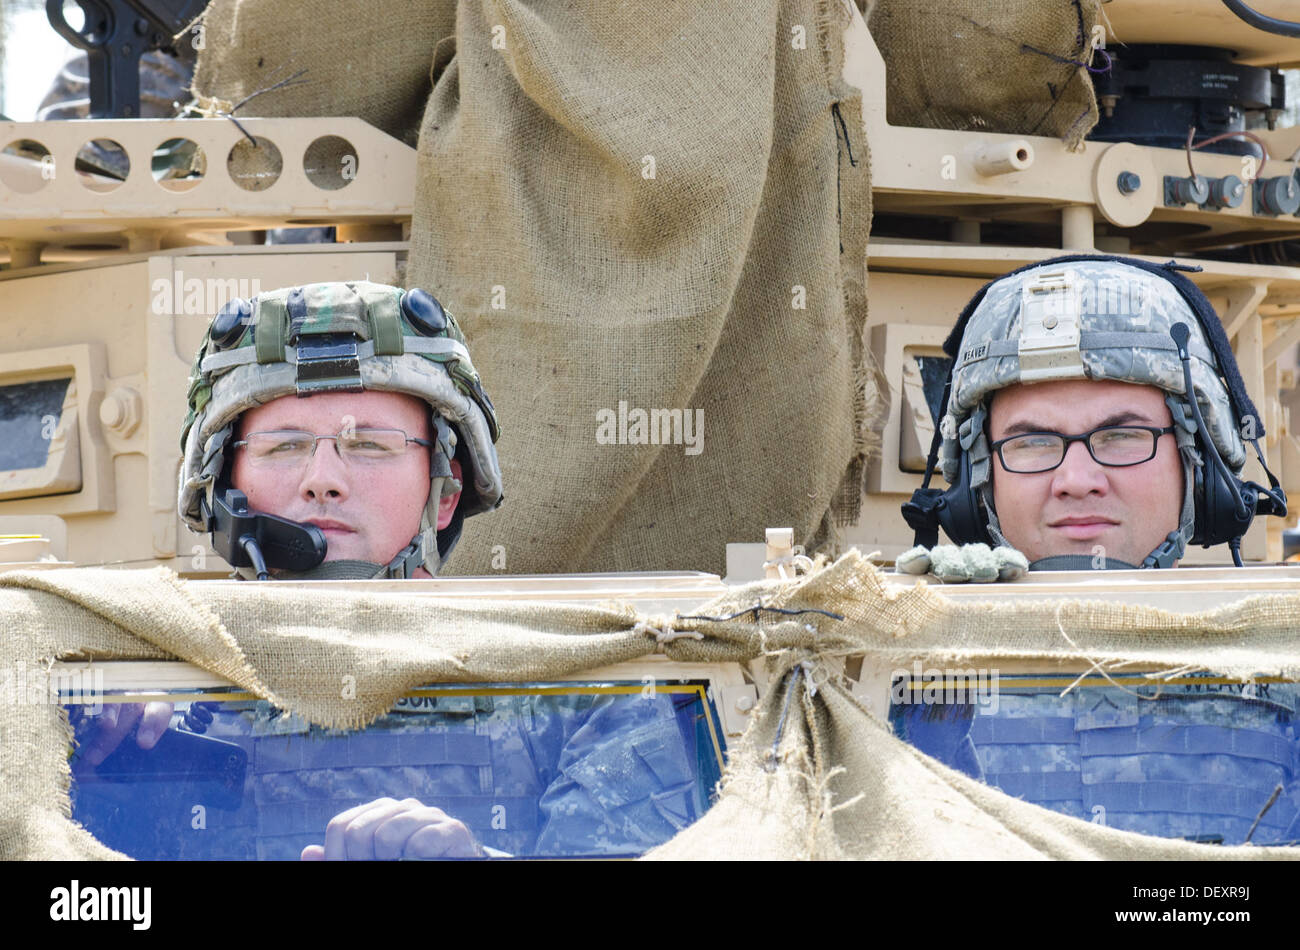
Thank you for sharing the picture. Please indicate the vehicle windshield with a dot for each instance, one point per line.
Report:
(605, 769)
(1200, 757)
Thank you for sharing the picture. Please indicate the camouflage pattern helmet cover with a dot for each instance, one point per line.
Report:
(342, 337)
(1101, 319)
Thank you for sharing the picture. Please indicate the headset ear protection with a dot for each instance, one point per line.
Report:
(957, 510)
(1225, 505)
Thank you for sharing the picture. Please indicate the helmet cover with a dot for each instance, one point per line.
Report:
(1100, 319)
(342, 337)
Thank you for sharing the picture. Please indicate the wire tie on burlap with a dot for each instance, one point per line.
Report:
(210, 107)
(1109, 62)
(772, 761)
(1066, 61)
(786, 611)
(664, 634)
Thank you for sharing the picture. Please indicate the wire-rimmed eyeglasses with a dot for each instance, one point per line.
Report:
(290, 448)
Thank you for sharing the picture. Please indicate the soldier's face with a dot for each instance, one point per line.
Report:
(1082, 507)
(368, 512)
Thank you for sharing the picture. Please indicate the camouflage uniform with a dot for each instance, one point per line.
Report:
(543, 774)
(1184, 761)
(529, 775)
(1197, 762)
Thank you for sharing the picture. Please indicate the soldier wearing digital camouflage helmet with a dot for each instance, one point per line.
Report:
(263, 359)
(1068, 434)
(373, 371)
(1097, 351)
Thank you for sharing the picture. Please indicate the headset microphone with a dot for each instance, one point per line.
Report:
(247, 538)
(1046, 337)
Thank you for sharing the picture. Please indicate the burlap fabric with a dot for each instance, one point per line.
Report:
(359, 58)
(635, 209)
(1016, 66)
(840, 786)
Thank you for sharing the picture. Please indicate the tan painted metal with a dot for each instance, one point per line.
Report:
(1202, 23)
(71, 214)
(115, 285)
(917, 287)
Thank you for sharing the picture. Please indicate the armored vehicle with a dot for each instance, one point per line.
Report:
(753, 714)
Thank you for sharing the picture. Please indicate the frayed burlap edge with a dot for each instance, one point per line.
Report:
(855, 227)
(276, 641)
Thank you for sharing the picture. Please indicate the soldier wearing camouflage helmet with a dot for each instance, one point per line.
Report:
(382, 375)
(1095, 418)
(1068, 433)
(336, 362)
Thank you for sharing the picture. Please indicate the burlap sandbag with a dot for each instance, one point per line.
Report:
(634, 208)
(839, 785)
(1016, 66)
(731, 282)
(360, 58)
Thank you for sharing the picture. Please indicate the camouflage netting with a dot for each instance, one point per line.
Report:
(632, 207)
(842, 785)
(1016, 66)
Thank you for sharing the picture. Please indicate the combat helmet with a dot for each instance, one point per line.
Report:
(334, 337)
(1098, 317)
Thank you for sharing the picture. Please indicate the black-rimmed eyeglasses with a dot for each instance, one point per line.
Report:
(1114, 446)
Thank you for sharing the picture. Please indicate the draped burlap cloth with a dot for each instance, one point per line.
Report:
(1016, 66)
(632, 209)
(356, 57)
(838, 785)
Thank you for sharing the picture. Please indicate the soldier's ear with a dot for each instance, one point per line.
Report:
(447, 504)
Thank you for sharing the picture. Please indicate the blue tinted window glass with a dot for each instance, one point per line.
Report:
(1197, 757)
(29, 413)
(606, 770)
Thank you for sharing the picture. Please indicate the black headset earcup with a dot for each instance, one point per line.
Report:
(1223, 511)
(959, 510)
(1203, 527)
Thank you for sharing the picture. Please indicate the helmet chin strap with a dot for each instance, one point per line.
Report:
(1080, 562)
(423, 549)
(417, 554)
(343, 570)
(1174, 546)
